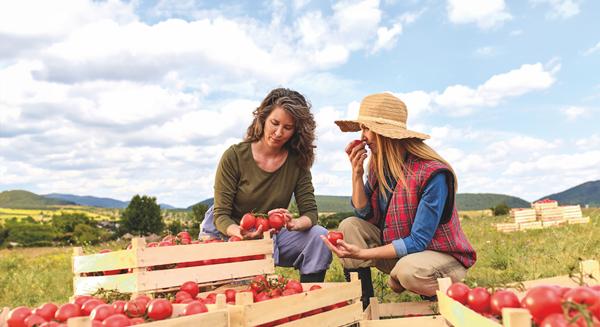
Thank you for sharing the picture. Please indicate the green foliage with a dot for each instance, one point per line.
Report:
(86, 234)
(28, 234)
(198, 212)
(66, 222)
(501, 209)
(332, 221)
(142, 216)
(175, 227)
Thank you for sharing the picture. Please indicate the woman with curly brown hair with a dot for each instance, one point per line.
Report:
(262, 173)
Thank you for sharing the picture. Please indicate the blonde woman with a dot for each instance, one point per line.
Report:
(406, 220)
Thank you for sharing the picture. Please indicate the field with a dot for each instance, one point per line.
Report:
(46, 214)
(33, 276)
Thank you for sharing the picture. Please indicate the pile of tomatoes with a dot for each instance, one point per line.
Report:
(183, 238)
(549, 306)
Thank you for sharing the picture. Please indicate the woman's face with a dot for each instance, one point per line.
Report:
(369, 137)
(279, 128)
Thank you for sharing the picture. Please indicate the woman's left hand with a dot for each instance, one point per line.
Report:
(343, 249)
(291, 224)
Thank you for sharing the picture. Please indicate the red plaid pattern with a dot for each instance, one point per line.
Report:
(402, 208)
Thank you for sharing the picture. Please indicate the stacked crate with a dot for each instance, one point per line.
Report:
(548, 212)
(573, 215)
(526, 218)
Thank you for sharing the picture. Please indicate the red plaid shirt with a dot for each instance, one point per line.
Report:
(402, 208)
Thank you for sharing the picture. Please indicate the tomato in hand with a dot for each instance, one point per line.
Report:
(248, 222)
(334, 236)
(479, 300)
(503, 299)
(262, 222)
(353, 144)
(459, 292)
(277, 220)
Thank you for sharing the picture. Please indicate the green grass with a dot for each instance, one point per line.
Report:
(33, 276)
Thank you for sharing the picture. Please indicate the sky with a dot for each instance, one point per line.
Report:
(113, 99)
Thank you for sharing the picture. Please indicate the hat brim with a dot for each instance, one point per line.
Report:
(386, 130)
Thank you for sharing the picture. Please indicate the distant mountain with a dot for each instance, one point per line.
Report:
(165, 206)
(480, 201)
(208, 202)
(27, 200)
(90, 201)
(586, 193)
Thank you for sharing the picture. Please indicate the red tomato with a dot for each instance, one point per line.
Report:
(144, 298)
(248, 221)
(119, 306)
(66, 311)
(277, 220)
(46, 311)
(555, 320)
(542, 301)
(80, 300)
(116, 320)
(89, 305)
(194, 307)
(102, 312)
(135, 308)
(314, 287)
(479, 300)
(459, 292)
(34, 320)
(230, 295)
(16, 316)
(160, 309)
(182, 295)
(503, 299)
(353, 144)
(294, 285)
(259, 283)
(190, 287)
(334, 236)
(262, 222)
(184, 234)
(276, 292)
(169, 239)
(234, 239)
(581, 295)
(262, 296)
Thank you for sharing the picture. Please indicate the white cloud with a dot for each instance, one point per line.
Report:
(525, 79)
(574, 112)
(486, 14)
(591, 142)
(560, 9)
(592, 50)
(559, 165)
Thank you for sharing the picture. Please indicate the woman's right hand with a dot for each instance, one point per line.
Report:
(357, 155)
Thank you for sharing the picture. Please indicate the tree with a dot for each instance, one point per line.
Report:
(142, 216)
(66, 222)
(198, 212)
(501, 209)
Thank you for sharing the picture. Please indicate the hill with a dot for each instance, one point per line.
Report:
(480, 201)
(90, 201)
(586, 193)
(27, 200)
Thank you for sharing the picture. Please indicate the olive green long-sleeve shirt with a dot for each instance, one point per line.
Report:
(241, 186)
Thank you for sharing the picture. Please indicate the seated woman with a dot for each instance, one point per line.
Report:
(406, 220)
(262, 173)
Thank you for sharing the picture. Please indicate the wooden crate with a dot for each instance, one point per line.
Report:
(582, 220)
(141, 280)
(245, 313)
(399, 314)
(544, 204)
(459, 315)
(571, 212)
(553, 223)
(217, 316)
(530, 225)
(522, 215)
(507, 227)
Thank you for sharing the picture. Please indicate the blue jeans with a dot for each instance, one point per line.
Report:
(303, 250)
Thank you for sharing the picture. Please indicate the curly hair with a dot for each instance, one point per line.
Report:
(295, 105)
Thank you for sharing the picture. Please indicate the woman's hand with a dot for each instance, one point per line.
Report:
(343, 249)
(291, 224)
(236, 230)
(357, 155)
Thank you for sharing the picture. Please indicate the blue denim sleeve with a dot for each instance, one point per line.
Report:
(366, 212)
(427, 218)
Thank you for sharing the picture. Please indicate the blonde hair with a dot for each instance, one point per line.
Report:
(389, 159)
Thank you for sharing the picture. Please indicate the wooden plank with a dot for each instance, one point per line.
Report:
(459, 315)
(513, 317)
(406, 308)
(262, 312)
(429, 321)
(343, 316)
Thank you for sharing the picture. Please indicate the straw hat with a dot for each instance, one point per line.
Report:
(383, 114)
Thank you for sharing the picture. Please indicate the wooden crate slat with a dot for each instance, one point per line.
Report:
(262, 312)
(169, 254)
(459, 315)
(343, 316)
(406, 308)
(429, 321)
